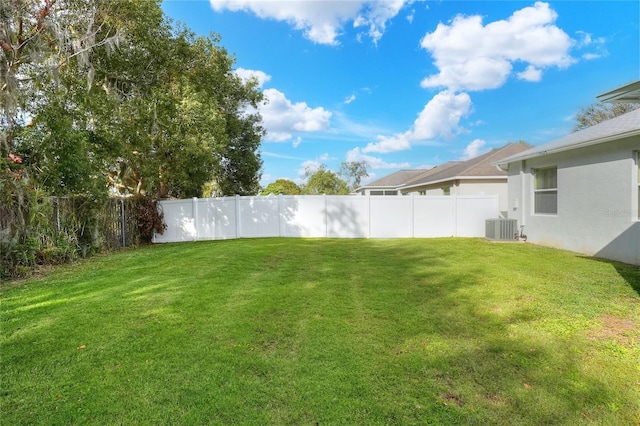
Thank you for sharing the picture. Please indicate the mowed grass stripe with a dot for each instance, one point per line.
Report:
(304, 331)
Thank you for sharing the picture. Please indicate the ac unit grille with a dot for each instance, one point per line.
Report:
(501, 229)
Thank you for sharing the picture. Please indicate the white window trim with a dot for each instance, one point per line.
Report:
(537, 191)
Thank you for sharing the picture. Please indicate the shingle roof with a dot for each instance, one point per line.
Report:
(481, 166)
(395, 179)
(616, 128)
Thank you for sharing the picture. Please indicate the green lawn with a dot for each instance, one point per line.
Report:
(305, 332)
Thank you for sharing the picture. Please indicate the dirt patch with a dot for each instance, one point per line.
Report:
(623, 330)
(452, 399)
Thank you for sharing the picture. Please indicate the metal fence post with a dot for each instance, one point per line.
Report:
(122, 223)
(58, 213)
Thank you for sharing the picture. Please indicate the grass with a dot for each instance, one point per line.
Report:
(295, 331)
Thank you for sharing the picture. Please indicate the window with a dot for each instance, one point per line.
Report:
(546, 191)
(379, 192)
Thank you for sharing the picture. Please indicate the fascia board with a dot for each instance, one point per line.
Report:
(434, 182)
(578, 145)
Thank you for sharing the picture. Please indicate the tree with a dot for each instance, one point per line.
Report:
(598, 112)
(281, 187)
(131, 102)
(324, 181)
(353, 172)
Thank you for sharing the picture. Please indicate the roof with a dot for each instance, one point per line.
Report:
(395, 179)
(433, 171)
(482, 166)
(628, 93)
(620, 127)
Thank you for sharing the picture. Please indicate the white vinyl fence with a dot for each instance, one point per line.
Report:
(336, 216)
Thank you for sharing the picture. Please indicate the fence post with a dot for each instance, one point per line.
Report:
(326, 217)
(412, 216)
(280, 218)
(455, 215)
(58, 213)
(123, 225)
(194, 216)
(238, 227)
(369, 215)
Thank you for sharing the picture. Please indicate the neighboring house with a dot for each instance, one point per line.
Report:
(388, 185)
(582, 192)
(477, 176)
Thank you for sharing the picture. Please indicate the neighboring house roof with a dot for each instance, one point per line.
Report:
(620, 127)
(628, 93)
(395, 179)
(482, 166)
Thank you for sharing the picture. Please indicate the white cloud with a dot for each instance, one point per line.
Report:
(473, 56)
(440, 118)
(597, 45)
(350, 99)
(260, 76)
(385, 144)
(374, 162)
(296, 143)
(281, 117)
(474, 149)
(530, 74)
(309, 167)
(377, 14)
(411, 15)
(321, 21)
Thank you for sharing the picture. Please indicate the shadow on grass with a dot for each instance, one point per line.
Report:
(478, 339)
(630, 273)
(335, 332)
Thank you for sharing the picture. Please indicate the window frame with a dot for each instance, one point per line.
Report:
(550, 190)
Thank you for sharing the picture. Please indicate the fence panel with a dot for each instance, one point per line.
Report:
(303, 216)
(327, 216)
(434, 217)
(216, 219)
(180, 220)
(348, 217)
(469, 209)
(259, 217)
(391, 217)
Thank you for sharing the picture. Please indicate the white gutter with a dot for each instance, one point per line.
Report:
(584, 144)
(453, 178)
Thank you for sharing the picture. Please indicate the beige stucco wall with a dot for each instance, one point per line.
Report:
(597, 201)
(497, 187)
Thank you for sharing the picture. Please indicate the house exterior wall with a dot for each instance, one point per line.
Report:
(597, 201)
(378, 191)
(497, 187)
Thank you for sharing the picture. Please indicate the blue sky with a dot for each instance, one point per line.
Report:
(413, 84)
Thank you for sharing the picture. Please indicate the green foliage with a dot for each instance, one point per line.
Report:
(324, 181)
(331, 332)
(599, 112)
(353, 172)
(44, 230)
(134, 103)
(281, 187)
